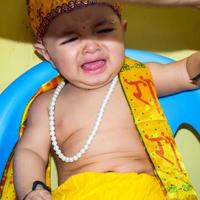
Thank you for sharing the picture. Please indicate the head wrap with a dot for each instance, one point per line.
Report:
(42, 12)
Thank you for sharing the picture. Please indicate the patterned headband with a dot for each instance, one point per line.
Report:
(42, 12)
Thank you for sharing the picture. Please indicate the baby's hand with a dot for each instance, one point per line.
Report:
(39, 194)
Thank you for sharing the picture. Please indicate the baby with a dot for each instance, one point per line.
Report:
(87, 123)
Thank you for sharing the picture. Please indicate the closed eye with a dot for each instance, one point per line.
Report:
(69, 40)
(105, 30)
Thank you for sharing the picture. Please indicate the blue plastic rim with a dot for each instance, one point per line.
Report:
(179, 108)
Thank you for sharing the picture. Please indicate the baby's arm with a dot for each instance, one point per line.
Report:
(193, 68)
(194, 3)
(32, 152)
(176, 76)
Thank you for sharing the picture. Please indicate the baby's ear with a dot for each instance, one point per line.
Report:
(40, 48)
(124, 25)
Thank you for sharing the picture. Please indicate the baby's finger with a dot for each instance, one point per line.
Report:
(46, 195)
(40, 198)
(36, 198)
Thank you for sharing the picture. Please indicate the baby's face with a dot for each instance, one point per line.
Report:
(86, 45)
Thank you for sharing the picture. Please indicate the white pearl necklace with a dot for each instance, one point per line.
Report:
(93, 133)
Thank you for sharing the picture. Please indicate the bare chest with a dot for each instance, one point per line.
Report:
(76, 117)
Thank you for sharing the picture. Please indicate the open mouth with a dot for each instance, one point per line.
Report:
(93, 66)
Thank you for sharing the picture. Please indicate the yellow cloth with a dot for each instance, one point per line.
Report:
(152, 125)
(116, 186)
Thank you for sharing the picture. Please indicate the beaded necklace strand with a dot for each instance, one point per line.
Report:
(95, 128)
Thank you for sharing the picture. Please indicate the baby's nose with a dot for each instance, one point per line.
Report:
(91, 47)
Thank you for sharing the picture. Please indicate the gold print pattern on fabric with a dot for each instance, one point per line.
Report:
(152, 126)
(138, 91)
(160, 150)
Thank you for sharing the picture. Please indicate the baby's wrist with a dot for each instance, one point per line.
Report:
(193, 68)
(38, 185)
(196, 80)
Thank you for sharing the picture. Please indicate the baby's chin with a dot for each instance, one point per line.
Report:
(92, 85)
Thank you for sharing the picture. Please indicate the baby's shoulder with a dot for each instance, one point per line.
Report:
(40, 104)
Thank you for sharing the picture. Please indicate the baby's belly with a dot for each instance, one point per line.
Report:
(120, 162)
(114, 149)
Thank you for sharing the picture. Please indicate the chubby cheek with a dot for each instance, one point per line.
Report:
(65, 62)
(117, 52)
(66, 68)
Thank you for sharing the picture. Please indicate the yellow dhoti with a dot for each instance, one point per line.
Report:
(107, 186)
